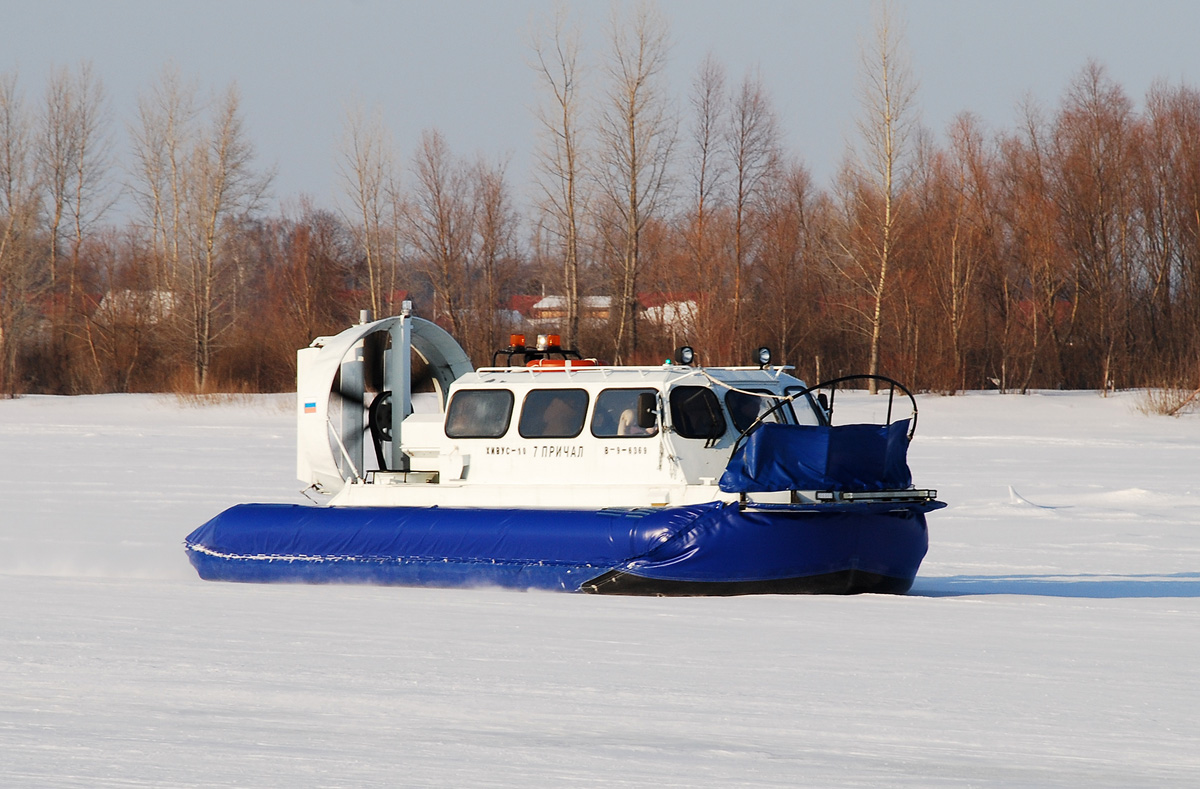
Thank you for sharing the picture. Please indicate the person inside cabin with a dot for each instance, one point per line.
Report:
(560, 417)
(615, 415)
(627, 425)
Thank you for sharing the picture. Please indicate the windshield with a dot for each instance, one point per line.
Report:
(745, 408)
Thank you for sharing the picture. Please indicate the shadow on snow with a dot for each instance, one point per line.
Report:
(1086, 585)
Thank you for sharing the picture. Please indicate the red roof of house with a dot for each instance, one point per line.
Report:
(523, 302)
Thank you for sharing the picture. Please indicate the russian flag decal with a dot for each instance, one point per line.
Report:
(310, 408)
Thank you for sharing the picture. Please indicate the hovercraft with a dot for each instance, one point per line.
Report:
(550, 471)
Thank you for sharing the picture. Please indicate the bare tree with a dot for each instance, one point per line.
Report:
(1032, 266)
(956, 192)
(90, 195)
(1158, 193)
(560, 157)
(20, 277)
(56, 151)
(367, 166)
(785, 259)
(1169, 189)
(1094, 147)
(311, 249)
(441, 226)
(223, 189)
(162, 138)
(710, 112)
(754, 155)
(73, 161)
(637, 133)
(494, 248)
(886, 95)
(118, 330)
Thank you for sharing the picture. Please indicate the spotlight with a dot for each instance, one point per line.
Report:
(764, 356)
(685, 355)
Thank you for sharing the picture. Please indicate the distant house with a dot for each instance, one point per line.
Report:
(522, 303)
(670, 310)
(553, 309)
(150, 306)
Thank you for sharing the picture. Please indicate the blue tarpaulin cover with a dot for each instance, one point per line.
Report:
(820, 457)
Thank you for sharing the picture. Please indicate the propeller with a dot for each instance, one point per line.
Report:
(373, 398)
(379, 422)
(362, 396)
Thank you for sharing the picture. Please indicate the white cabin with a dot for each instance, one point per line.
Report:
(525, 437)
(567, 434)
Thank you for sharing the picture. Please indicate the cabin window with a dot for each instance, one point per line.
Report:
(696, 413)
(553, 413)
(745, 408)
(615, 415)
(805, 409)
(479, 413)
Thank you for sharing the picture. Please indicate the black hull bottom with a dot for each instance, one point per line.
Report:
(617, 582)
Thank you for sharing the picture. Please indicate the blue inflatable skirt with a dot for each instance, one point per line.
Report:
(705, 549)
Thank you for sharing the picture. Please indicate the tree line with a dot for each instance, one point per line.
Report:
(1060, 252)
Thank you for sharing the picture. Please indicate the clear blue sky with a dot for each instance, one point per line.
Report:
(462, 66)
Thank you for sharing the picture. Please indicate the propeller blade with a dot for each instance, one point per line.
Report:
(374, 348)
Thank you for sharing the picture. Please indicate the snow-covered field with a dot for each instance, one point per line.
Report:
(1052, 638)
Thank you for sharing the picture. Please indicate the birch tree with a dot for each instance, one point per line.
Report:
(223, 189)
(20, 276)
(56, 150)
(441, 225)
(887, 100)
(636, 136)
(754, 156)
(73, 161)
(957, 195)
(560, 158)
(368, 170)
(91, 194)
(708, 170)
(162, 137)
(493, 249)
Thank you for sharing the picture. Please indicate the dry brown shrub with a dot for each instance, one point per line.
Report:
(280, 403)
(1167, 401)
